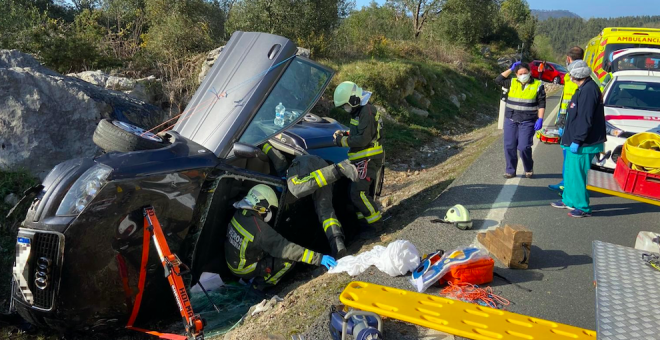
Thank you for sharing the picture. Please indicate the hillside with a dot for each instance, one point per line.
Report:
(543, 15)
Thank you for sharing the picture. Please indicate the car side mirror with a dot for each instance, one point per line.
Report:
(248, 151)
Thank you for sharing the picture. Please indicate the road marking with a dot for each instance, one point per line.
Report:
(499, 208)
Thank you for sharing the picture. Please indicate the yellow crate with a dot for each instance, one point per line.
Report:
(455, 317)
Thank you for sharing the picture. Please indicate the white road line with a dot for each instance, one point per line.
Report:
(503, 201)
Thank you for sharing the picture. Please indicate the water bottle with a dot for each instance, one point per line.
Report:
(279, 115)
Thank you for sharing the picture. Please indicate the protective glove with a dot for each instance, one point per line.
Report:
(328, 261)
(347, 169)
(514, 65)
(575, 147)
(338, 140)
(338, 133)
(539, 124)
(561, 132)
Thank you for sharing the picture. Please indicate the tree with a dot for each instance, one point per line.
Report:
(466, 21)
(517, 15)
(422, 11)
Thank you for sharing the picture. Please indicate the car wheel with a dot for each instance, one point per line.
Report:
(124, 137)
(556, 80)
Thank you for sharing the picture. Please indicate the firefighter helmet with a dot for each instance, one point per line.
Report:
(348, 93)
(459, 216)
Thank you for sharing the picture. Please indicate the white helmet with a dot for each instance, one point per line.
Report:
(260, 199)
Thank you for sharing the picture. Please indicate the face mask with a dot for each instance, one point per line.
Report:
(524, 78)
(347, 108)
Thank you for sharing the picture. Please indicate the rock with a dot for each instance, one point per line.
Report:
(419, 112)
(146, 89)
(454, 100)
(409, 88)
(11, 199)
(463, 97)
(47, 118)
(212, 56)
(423, 102)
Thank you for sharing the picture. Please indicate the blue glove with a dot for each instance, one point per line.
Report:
(561, 132)
(328, 261)
(513, 66)
(575, 147)
(539, 124)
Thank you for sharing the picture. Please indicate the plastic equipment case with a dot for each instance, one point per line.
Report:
(548, 135)
(636, 182)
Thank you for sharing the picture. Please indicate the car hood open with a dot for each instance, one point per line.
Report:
(247, 71)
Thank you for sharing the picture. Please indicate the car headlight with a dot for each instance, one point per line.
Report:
(613, 130)
(84, 190)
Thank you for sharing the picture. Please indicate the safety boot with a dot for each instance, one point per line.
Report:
(337, 247)
(347, 169)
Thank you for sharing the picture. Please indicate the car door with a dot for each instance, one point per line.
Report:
(550, 73)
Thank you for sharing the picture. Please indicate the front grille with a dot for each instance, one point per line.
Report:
(45, 247)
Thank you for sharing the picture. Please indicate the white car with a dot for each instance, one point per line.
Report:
(632, 105)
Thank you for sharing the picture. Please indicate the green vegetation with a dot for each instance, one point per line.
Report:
(563, 33)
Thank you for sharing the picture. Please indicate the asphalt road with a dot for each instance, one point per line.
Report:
(558, 286)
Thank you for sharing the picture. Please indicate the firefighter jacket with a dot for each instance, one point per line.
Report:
(365, 134)
(309, 173)
(250, 239)
(523, 101)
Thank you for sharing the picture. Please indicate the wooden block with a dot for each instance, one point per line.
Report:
(510, 244)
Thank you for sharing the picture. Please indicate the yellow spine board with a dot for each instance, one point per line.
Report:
(455, 317)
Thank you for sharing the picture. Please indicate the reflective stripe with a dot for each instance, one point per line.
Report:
(365, 153)
(320, 179)
(344, 141)
(354, 122)
(307, 257)
(374, 218)
(266, 148)
(330, 222)
(360, 216)
(247, 270)
(276, 278)
(518, 108)
(298, 181)
(520, 100)
(367, 204)
(247, 238)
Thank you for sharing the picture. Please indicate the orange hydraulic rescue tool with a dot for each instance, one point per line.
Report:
(193, 323)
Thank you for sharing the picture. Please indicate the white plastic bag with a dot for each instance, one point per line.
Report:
(398, 258)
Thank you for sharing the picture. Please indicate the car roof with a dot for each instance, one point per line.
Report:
(638, 75)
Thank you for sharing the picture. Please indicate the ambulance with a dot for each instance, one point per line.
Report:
(602, 49)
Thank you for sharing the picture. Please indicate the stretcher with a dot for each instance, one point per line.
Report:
(455, 317)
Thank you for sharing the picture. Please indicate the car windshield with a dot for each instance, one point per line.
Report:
(637, 61)
(611, 50)
(638, 95)
(297, 91)
(560, 68)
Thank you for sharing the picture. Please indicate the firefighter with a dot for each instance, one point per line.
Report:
(311, 175)
(365, 151)
(254, 251)
(574, 54)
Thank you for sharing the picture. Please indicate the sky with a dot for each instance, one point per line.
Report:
(587, 8)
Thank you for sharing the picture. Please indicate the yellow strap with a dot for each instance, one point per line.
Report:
(330, 222)
(370, 152)
(266, 148)
(455, 317)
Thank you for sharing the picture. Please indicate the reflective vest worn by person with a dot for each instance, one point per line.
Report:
(569, 90)
(365, 149)
(522, 103)
(253, 249)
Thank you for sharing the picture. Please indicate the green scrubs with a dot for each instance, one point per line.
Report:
(576, 170)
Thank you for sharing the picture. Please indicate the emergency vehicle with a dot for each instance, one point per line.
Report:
(602, 49)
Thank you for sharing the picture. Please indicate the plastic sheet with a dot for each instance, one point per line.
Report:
(398, 258)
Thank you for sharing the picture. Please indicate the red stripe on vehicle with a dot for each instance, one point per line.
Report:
(629, 117)
(601, 55)
(598, 67)
(601, 74)
(603, 43)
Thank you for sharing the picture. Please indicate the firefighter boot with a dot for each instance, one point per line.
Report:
(338, 248)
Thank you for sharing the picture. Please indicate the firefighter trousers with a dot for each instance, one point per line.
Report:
(311, 175)
(367, 209)
(270, 270)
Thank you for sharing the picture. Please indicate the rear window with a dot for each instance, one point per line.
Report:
(612, 49)
(641, 61)
(298, 90)
(636, 95)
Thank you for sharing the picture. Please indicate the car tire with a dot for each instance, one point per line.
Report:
(124, 137)
(556, 81)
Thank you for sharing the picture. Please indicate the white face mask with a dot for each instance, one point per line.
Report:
(347, 108)
(524, 78)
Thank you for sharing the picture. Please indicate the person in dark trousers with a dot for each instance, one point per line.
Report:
(574, 54)
(541, 69)
(584, 137)
(256, 252)
(525, 107)
(364, 140)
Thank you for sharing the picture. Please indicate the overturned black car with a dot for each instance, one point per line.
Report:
(80, 245)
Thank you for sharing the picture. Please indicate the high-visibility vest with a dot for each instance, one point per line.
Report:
(569, 90)
(523, 100)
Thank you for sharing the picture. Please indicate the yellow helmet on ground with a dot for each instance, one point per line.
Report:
(348, 93)
(459, 216)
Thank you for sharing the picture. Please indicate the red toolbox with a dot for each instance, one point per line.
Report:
(548, 135)
(636, 182)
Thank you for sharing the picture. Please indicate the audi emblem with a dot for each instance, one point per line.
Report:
(42, 274)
